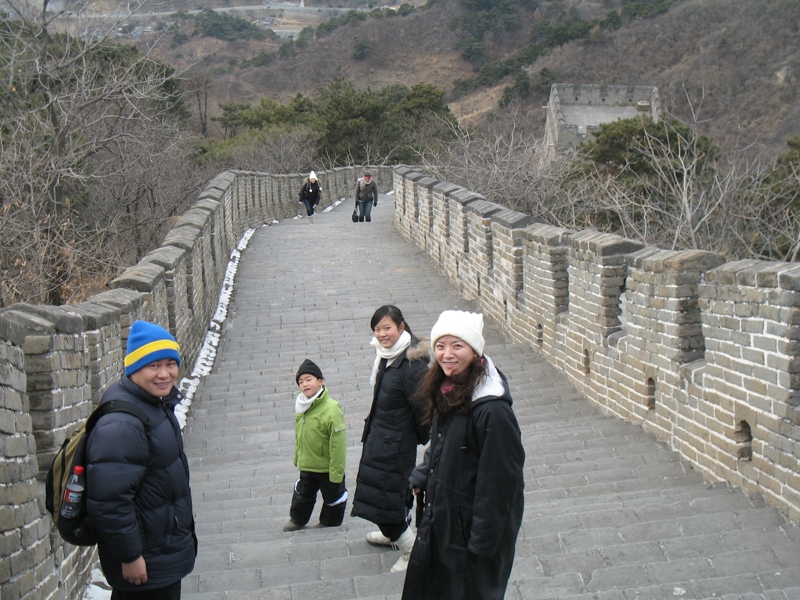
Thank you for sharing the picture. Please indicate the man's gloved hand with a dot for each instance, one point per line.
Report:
(375, 203)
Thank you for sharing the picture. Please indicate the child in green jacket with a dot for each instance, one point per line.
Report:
(319, 452)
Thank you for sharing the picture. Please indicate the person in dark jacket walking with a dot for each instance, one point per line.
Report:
(392, 431)
(310, 195)
(470, 483)
(366, 197)
(139, 498)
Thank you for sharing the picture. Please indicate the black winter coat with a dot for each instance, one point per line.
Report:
(138, 492)
(311, 192)
(391, 433)
(473, 501)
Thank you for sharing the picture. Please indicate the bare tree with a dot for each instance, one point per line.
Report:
(75, 110)
(765, 218)
(199, 86)
(499, 162)
(273, 150)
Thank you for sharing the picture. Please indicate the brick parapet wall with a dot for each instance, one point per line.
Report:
(705, 354)
(545, 285)
(751, 325)
(508, 245)
(27, 568)
(56, 362)
(57, 393)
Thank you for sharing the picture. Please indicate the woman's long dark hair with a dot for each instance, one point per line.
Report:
(391, 311)
(458, 397)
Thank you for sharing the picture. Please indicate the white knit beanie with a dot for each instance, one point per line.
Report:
(312, 175)
(464, 325)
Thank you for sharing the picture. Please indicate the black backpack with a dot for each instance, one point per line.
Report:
(78, 530)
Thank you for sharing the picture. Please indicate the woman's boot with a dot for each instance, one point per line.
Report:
(404, 543)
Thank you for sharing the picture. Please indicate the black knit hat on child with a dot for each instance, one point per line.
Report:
(308, 368)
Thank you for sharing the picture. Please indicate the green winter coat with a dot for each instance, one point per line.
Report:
(320, 438)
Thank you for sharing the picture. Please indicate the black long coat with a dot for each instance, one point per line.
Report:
(473, 502)
(138, 493)
(391, 433)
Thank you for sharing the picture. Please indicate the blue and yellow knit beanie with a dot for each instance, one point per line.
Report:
(148, 343)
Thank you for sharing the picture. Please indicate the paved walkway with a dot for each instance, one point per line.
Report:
(610, 513)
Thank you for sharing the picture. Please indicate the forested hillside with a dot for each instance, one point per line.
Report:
(731, 64)
(736, 61)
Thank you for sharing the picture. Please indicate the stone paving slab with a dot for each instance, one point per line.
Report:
(611, 513)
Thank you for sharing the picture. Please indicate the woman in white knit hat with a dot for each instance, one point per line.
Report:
(470, 484)
(310, 195)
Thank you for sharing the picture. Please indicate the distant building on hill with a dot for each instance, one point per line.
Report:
(575, 111)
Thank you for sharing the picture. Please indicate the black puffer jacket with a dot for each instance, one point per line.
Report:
(473, 483)
(138, 492)
(391, 434)
(311, 191)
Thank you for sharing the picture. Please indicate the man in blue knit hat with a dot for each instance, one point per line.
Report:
(139, 498)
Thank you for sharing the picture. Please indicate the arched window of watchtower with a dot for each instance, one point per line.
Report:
(539, 335)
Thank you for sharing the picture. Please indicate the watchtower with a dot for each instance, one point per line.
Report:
(575, 111)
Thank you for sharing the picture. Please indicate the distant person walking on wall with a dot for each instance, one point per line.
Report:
(366, 197)
(310, 194)
(143, 508)
(320, 448)
(470, 483)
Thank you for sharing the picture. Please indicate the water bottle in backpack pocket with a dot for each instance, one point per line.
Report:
(66, 483)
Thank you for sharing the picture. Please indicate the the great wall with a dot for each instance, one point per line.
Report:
(704, 353)
(575, 111)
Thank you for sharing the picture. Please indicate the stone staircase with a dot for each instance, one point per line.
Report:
(610, 513)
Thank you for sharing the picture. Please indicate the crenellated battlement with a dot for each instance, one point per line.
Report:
(703, 353)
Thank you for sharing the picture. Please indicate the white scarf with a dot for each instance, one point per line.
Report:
(403, 342)
(302, 404)
(491, 384)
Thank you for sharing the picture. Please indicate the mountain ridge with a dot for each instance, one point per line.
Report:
(729, 65)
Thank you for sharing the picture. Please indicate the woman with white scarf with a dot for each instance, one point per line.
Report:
(392, 430)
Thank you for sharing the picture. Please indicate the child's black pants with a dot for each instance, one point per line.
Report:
(305, 496)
